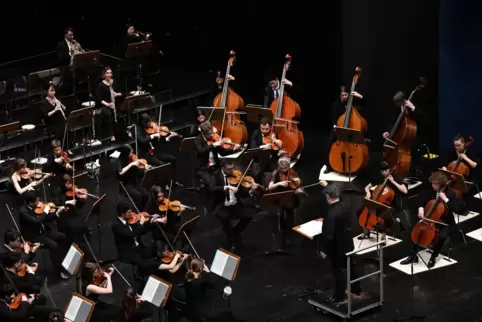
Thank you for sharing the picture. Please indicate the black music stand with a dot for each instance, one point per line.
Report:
(188, 145)
(86, 63)
(135, 102)
(138, 51)
(379, 208)
(7, 131)
(279, 199)
(257, 112)
(259, 155)
(213, 113)
(349, 136)
(81, 119)
(95, 211)
(157, 175)
(182, 230)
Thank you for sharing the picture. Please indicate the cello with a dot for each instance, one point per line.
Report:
(285, 109)
(345, 157)
(399, 142)
(460, 167)
(231, 102)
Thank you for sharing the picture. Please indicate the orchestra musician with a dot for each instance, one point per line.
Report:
(265, 131)
(454, 205)
(200, 118)
(14, 246)
(106, 96)
(54, 114)
(97, 282)
(58, 165)
(67, 48)
(134, 307)
(227, 204)
(21, 313)
(470, 161)
(337, 240)
(40, 228)
(394, 182)
(198, 282)
(28, 283)
(21, 181)
(277, 184)
(271, 92)
(130, 175)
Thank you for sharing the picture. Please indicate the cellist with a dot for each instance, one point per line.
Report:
(454, 205)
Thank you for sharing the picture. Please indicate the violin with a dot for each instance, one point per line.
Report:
(174, 205)
(347, 157)
(168, 256)
(16, 300)
(65, 157)
(40, 208)
(36, 174)
(292, 177)
(246, 181)
(142, 164)
(275, 146)
(136, 217)
(153, 128)
(99, 278)
(80, 193)
(226, 142)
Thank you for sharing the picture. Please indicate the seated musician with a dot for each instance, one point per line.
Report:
(54, 114)
(134, 307)
(106, 95)
(454, 205)
(58, 166)
(40, 228)
(26, 281)
(271, 92)
(470, 161)
(151, 145)
(14, 246)
(227, 204)
(200, 118)
(394, 181)
(198, 282)
(257, 141)
(278, 184)
(207, 154)
(128, 242)
(130, 175)
(20, 180)
(21, 313)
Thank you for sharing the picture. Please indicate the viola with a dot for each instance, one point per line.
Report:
(174, 205)
(226, 142)
(80, 193)
(136, 217)
(246, 181)
(22, 270)
(153, 128)
(36, 174)
(142, 164)
(292, 177)
(40, 208)
(16, 301)
(168, 256)
(275, 146)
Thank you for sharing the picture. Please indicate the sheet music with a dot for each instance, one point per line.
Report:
(232, 156)
(219, 262)
(311, 228)
(150, 289)
(73, 308)
(333, 176)
(155, 291)
(71, 260)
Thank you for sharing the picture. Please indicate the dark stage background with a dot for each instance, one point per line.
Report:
(460, 70)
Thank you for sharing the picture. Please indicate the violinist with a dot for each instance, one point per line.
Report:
(454, 205)
(394, 182)
(130, 175)
(97, 282)
(134, 307)
(22, 178)
(13, 246)
(58, 163)
(265, 138)
(227, 204)
(106, 96)
(25, 281)
(198, 282)
(271, 92)
(39, 227)
(21, 313)
(151, 145)
(200, 118)
(279, 182)
(54, 113)
(469, 160)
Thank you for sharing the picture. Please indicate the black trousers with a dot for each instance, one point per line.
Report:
(339, 270)
(227, 214)
(160, 158)
(141, 258)
(286, 223)
(54, 241)
(444, 235)
(108, 120)
(138, 193)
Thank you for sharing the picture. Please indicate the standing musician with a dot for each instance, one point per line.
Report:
(39, 227)
(394, 182)
(453, 205)
(260, 137)
(337, 240)
(280, 182)
(22, 179)
(54, 114)
(271, 92)
(106, 96)
(134, 307)
(150, 145)
(67, 48)
(470, 161)
(227, 204)
(58, 163)
(130, 175)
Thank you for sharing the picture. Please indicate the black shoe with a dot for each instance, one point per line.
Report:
(410, 259)
(432, 261)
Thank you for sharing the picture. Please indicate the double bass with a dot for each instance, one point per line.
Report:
(231, 127)
(346, 157)
(286, 111)
(398, 144)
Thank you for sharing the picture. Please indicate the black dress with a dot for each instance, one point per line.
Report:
(55, 124)
(108, 115)
(198, 303)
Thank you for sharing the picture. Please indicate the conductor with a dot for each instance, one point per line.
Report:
(337, 241)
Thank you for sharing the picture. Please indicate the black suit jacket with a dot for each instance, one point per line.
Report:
(19, 315)
(5, 253)
(336, 232)
(32, 224)
(203, 149)
(217, 194)
(269, 94)
(124, 238)
(63, 53)
(256, 139)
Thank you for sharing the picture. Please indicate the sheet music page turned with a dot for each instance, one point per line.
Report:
(311, 228)
(79, 309)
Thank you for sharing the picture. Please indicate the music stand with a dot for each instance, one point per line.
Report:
(79, 308)
(214, 113)
(137, 51)
(279, 199)
(134, 102)
(95, 211)
(183, 228)
(81, 119)
(86, 62)
(350, 137)
(72, 262)
(7, 130)
(157, 175)
(257, 112)
(378, 208)
(259, 155)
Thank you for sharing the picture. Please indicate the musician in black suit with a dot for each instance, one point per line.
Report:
(40, 228)
(21, 314)
(271, 92)
(257, 137)
(227, 204)
(454, 205)
(13, 244)
(65, 47)
(207, 154)
(337, 240)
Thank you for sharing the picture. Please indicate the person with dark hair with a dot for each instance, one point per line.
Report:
(198, 282)
(40, 228)
(56, 316)
(272, 91)
(106, 96)
(66, 47)
(337, 240)
(200, 118)
(20, 180)
(14, 246)
(454, 204)
(134, 307)
(258, 137)
(465, 157)
(54, 114)
(129, 174)
(20, 314)
(58, 166)
(28, 283)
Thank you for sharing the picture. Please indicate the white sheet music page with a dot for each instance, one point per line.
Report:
(150, 290)
(69, 257)
(73, 308)
(311, 228)
(219, 263)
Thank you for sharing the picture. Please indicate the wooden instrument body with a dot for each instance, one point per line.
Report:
(460, 168)
(234, 127)
(426, 233)
(398, 152)
(382, 194)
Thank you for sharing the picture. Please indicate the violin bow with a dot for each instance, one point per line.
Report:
(91, 251)
(48, 293)
(244, 174)
(73, 181)
(125, 280)
(9, 278)
(14, 222)
(169, 198)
